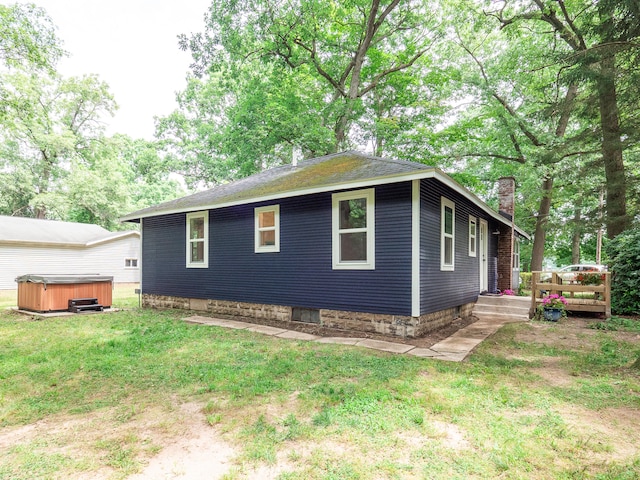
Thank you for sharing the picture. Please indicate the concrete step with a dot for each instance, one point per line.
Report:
(500, 309)
(503, 300)
(503, 308)
(501, 317)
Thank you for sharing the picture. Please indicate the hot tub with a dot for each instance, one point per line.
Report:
(50, 293)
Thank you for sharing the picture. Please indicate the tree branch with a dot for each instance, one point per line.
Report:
(523, 128)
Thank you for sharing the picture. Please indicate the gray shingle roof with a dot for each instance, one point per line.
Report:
(314, 175)
(36, 231)
(331, 172)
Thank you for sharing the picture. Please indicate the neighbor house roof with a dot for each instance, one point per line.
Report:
(328, 173)
(35, 231)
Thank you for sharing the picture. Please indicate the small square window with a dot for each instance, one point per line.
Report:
(130, 263)
(267, 229)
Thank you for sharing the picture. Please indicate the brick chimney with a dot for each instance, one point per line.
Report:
(506, 196)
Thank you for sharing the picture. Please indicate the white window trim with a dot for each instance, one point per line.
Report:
(130, 267)
(369, 264)
(205, 240)
(445, 202)
(267, 248)
(516, 254)
(473, 236)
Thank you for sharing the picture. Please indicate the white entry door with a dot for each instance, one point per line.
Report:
(483, 252)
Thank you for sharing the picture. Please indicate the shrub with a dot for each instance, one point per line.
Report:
(526, 280)
(624, 255)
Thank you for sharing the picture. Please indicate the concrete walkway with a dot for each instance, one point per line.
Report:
(454, 348)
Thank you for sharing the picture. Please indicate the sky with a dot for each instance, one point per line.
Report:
(131, 45)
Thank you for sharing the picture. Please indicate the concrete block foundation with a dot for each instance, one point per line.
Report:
(392, 325)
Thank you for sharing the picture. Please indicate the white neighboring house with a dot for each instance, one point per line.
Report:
(46, 247)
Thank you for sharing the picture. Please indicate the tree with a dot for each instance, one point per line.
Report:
(306, 76)
(522, 112)
(232, 126)
(51, 125)
(594, 33)
(27, 37)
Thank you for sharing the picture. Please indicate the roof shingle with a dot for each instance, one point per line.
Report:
(316, 174)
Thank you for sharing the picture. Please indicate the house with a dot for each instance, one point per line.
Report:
(345, 240)
(34, 246)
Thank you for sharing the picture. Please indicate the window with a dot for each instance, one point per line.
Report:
(198, 240)
(267, 236)
(516, 254)
(447, 234)
(472, 236)
(130, 263)
(353, 230)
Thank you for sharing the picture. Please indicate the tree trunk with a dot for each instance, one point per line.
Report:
(577, 234)
(599, 236)
(537, 254)
(617, 220)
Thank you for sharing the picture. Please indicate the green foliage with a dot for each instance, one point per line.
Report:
(624, 263)
(617, 323)
(525, 277)
(27, 37)
(275, 78)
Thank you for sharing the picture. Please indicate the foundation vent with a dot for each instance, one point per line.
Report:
(306, 315)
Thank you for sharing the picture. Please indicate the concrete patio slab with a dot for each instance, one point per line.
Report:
(385, 346)
(340, 340)
(265, 329)
(454, 357)
(452, 349)
(456, 345)
(293, 335)
(424, 353)
(218, 322)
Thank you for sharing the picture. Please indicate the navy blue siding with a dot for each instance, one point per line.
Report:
(301, 273)
(447, 289)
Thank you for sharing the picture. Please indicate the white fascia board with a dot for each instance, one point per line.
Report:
(124, 234)
(33, 243)
(450, 182)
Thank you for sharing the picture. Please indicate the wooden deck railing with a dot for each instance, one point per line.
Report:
(580, 297)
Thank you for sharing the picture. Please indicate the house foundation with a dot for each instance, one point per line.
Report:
(393, 325)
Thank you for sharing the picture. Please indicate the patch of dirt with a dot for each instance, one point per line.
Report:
(168, 442)
(197, 454)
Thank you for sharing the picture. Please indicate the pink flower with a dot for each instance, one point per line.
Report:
(555, 301)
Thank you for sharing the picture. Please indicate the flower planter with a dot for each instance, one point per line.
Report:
(552, 314)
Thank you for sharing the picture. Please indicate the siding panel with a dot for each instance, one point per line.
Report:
(104, 258)
(447, 289)
(301, 273)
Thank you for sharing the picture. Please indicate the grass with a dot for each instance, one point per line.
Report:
(106, 393)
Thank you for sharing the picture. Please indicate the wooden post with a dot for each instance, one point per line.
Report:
(555, 280)
(534, 291)
(607, 294)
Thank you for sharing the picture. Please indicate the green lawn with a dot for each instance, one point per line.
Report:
(100, 395)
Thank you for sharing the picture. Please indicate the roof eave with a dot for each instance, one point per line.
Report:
(32, 243)
(422, 174)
